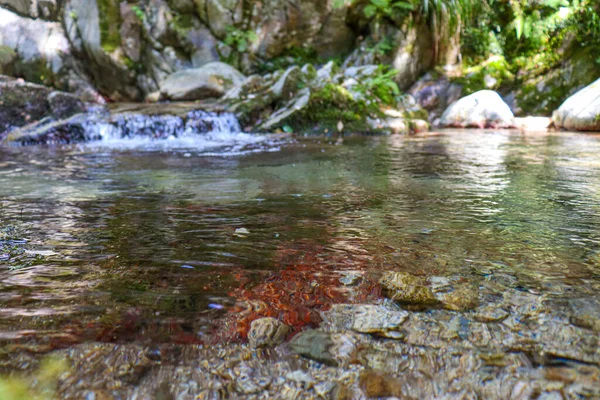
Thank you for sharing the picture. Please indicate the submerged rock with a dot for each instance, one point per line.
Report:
(580, 112)
(267, 332)
(406, 288)
(364, 318)
(327, 348)
(461, 298)
(377, 384)
(211, 80)
(483, 109)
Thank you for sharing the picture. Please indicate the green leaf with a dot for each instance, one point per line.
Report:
(370, 11)
(405, 5)
(288, 129)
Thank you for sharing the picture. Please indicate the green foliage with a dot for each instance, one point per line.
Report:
(585, 22)
(238, 39)
(181, 24)
(496, 69)
(110, 23)
(381, 87)
(139, 13)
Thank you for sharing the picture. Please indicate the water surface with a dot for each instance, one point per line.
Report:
(172, 243)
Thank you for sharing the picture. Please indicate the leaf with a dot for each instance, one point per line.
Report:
(381, 3)
(404, 5)
(288, 129)
(370, 11)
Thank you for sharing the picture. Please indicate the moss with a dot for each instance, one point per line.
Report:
(110, 23)
(7, 57)
(327, 107)
(182, 23)
(474, 78)
(544, 93)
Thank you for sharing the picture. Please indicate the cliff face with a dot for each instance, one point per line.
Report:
(123, 50)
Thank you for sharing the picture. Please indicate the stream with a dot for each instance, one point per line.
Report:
(144, 262)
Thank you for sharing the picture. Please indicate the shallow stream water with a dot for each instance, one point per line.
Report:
(185, 244)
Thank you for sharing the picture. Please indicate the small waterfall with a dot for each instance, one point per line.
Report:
(197, 132)
(134, 125)
(150, 127)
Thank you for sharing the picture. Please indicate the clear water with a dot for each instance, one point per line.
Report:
(142, 241)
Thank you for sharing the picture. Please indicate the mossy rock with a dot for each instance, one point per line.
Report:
(407, 288)
(7, 60)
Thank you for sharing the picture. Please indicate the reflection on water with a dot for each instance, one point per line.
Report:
(141, 245)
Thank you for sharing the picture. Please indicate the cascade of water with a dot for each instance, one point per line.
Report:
(195, 130)
(133, 125)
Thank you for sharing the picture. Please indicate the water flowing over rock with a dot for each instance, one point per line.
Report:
(148, 122)
(483, 109)
(580, 112)
(211, 80)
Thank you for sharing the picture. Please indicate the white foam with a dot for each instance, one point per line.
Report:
(201, 133)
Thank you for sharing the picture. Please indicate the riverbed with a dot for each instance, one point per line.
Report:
(143, 265)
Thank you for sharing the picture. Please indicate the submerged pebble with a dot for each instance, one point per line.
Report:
(365, 318)
(267, 332)
(406, 288)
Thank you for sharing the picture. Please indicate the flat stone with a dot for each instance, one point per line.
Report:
(406, 288)
(267, 332)
(209, 81)
(364, 318)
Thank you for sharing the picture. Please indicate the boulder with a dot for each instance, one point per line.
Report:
(483, 109)
(435, 95)
(580, 112)
(22, 103)
(211, 80)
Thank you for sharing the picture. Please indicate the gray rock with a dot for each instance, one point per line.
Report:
(40, 46)
(131, 32)
(580, 112)
(483, 109)
(64, 105)
(435, 95)
(211, 80)
(365, 318)
(293, 106)
(267, 332)
(23, 103)
(327, 348)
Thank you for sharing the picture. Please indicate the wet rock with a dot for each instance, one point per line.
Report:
(406, 288)
(490, 313)
(462, 298)
(211, 80)
(23, 103)
(581, 111)
(295, 105)
(377, 384)
(324, 347)
(64, 105)
(315, 345)
(363, 318)
(301, 378)
(483, 109)
(585, 313)
(267, 332)
(350, 279)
